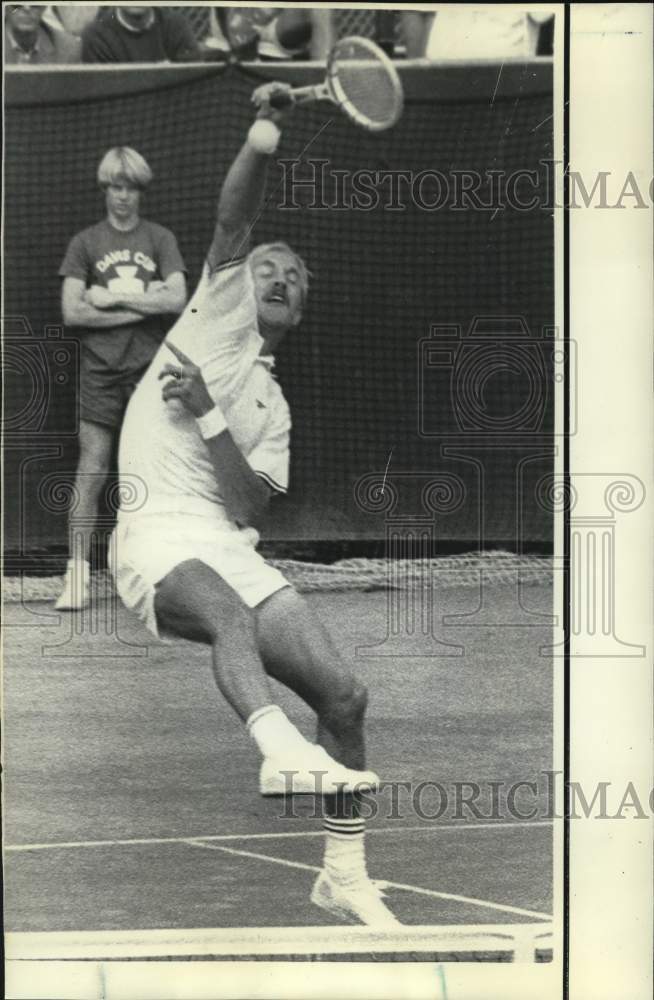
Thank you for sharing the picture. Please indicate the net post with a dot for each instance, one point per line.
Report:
(525, 945)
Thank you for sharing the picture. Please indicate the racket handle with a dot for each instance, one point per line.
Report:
(281, 100)
(298, 95)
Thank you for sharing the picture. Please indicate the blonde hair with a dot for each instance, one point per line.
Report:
(281, 247)
(123, 163)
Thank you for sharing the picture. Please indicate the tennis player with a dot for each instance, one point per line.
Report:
(206, 439)
(122, 276)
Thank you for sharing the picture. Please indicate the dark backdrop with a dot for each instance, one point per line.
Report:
(473, 409)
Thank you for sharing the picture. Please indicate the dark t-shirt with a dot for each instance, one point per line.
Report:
(170, 37)
(123, 262)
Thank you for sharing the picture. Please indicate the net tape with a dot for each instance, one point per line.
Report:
(515, 942)
(348, 575)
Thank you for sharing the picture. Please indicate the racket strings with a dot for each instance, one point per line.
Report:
(366, 82)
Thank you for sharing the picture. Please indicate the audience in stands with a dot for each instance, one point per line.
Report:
(58, 33)
(73, 18)
(271, 34)
(139, 35)
(31, 41)
(490, 32)
(36, 34)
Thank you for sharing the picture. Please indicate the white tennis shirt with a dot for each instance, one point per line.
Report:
(162, 456)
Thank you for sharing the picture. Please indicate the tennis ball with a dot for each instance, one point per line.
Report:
(264, 136)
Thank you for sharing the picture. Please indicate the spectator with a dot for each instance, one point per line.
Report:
(31, 42)
(123, 279)
(272, 33)
(491, 32)
(139, 35)
(73, 18)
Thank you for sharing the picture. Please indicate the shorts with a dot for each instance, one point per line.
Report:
(105, 393)
(146, 549)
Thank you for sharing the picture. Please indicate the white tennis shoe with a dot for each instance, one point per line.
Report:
(360, 900)
(316, 774)
(75, 593)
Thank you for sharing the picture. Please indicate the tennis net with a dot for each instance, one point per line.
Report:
(527, 942)
(498, 568)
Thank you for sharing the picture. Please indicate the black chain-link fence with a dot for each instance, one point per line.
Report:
(346, 22)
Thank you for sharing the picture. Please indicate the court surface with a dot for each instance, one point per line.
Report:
(131, 795)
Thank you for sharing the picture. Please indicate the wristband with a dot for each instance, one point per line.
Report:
(264, 136)
(212, 424)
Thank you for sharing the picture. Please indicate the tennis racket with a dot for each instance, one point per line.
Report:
(361, 80)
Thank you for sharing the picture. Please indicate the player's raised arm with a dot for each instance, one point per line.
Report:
(243, 190)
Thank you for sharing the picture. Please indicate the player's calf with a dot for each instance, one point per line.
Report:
(343, 711)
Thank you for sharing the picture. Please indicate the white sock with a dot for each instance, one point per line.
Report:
(345, 855)
(274, 733)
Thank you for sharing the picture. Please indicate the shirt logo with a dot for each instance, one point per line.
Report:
(262, 406)
(126, 281)
(124, 257)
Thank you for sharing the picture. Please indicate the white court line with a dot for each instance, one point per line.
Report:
(470, 900)
(133, 841)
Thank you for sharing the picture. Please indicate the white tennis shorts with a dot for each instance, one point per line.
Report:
(146, 549)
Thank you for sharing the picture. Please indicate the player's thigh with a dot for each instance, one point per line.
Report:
(298, 651)
(95, 444)
(194, 602)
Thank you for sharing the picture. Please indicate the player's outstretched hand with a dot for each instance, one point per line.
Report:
(186, 384)
(261, 100)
